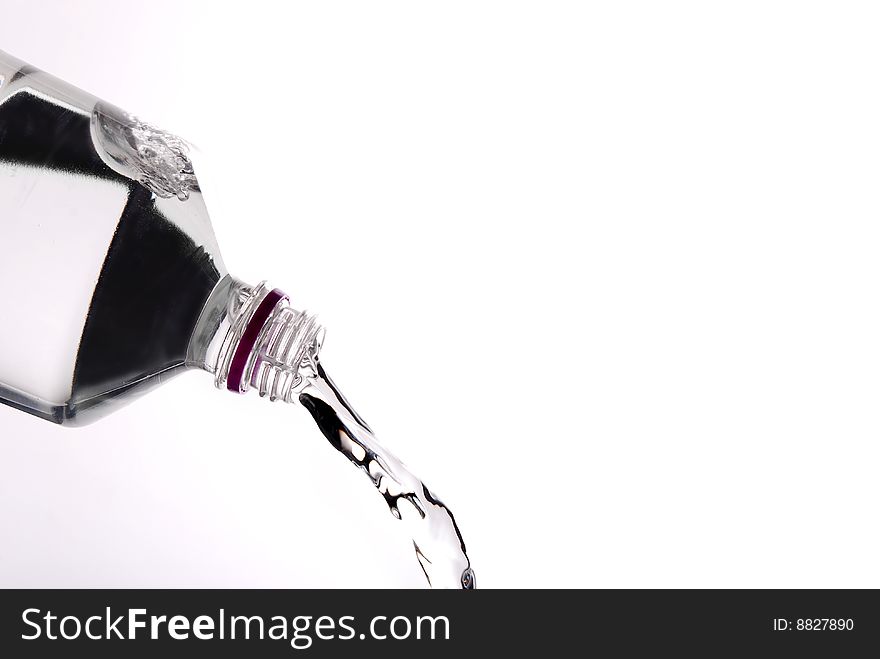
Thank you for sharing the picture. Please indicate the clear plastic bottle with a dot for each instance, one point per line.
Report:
(114, 280)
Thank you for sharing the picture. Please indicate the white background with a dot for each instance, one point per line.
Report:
(605, 274)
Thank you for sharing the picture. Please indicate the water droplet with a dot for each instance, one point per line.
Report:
(468, 579)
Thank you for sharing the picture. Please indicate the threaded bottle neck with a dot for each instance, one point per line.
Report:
(266, 345)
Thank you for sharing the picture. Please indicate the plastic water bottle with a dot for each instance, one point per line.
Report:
(114, 280)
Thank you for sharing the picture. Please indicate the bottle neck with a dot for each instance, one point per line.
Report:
(250, 336)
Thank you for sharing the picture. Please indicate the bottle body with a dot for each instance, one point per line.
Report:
(106, 252)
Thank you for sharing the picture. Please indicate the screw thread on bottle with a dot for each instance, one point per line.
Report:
(267, 345)
(291, 339)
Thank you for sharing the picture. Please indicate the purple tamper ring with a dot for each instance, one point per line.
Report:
(249, 338)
